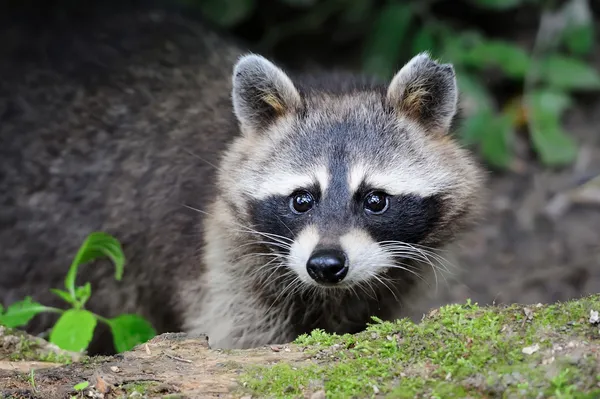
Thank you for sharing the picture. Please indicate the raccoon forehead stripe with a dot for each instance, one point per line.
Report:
(285, 183)
(403, 179)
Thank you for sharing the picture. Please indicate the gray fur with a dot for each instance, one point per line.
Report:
(256, 81)
(121, 138)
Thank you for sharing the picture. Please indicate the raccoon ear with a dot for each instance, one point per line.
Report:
(426, 92)
(261, 92)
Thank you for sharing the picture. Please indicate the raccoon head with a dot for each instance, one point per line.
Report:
(346, 182)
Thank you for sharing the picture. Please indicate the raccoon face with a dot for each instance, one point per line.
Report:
(347, 182)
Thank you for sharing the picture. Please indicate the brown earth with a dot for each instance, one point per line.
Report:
(169, 364)
(564, 361)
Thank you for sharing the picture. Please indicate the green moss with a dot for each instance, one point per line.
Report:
(27, 348)
(141, 387)
(457, 351)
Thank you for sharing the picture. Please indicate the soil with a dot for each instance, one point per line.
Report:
(167, 364)
(514, 351)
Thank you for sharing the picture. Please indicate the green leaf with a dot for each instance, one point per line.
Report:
(129, 330)
(95, 246)
(456, 44)
(74, 330)
(579, 39)
(226, 12)
(551, 143)
(475, 95)
(511, 59)
(356, 11)
(497, 4)
(382, 51)
(424, 40)
(64, 295)
(20, 313)
(552, 101)
(81, 386)
(83, 293)
(475, 127)
(567, 73)
(578, 33)
(299, 3)
(495, 143)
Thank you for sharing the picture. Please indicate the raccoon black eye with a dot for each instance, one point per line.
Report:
(302, 201)
(376, 202)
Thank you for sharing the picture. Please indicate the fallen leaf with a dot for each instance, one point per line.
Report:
(101, 385)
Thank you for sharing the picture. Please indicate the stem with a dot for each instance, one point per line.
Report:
(50, 309)
(101, 319)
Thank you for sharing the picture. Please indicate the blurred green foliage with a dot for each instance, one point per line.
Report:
(548, 71)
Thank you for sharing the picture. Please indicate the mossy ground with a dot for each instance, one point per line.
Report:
(456, 351)
(15, 345)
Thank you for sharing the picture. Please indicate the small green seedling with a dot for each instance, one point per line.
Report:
(75, 328)
(80, 387)
(32, 380)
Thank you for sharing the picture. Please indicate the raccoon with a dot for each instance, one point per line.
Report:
(253, 204)
(329, 201)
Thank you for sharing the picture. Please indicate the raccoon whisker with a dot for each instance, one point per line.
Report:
(386, 286)
(273, 237)
(422, 246)
(263, 240)
(269, 266)
(246, 228)
(361, 285)
(427, 251)
(271, 281)
(422, 256)
(273, 257)
(419, 259)
(297, 288)
(351, 288)
(438, 265)
(412, 250)
(202, 159)
(286, 226)
(400, 266)
(434, 267)
(268, 280)
(288, 287)
(273, 254)
(284, 261)
(267, 243)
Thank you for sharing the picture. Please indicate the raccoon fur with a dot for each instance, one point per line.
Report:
(253, 205)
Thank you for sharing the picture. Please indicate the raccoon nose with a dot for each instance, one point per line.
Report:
(327, 266)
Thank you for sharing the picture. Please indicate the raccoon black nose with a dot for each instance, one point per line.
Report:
(327, 266)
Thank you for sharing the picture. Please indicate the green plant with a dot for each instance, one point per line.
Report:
(393, 31)
(74, 329)
(79, 388)
(32, 380)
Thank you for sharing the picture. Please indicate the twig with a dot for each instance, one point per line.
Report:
(178, 358)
